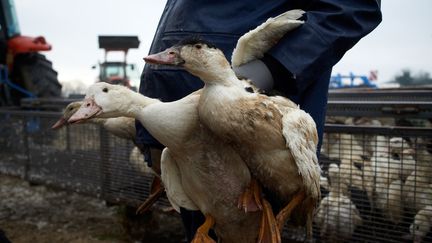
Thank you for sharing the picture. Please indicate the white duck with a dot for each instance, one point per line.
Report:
(122, 127)
(389, 200)
(337, 215)
(275, 138)
(382, 169)
(385, 173)
(364, 140)
(344, 146)
(350, 174)
(402, 151)
(207, 172)
(422, 224)
(417, 190)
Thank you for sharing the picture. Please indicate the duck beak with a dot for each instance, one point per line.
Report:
(409, 151)
(60, 123)
(88, 109)
(170, 56)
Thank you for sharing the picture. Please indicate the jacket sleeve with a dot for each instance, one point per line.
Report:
(331, 28)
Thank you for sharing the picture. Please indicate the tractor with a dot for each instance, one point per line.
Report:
(117, 72)
(24, 72)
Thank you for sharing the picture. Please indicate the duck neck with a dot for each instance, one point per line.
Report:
(136, 103)
(99, 121)
(152, 114)
(338, 187)
(171, 123)
(218, 90)
(219, 76)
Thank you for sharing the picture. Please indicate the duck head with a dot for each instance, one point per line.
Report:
(67, 113)
(334, 173)
(420, 227)
(198, 57)
(102, 100)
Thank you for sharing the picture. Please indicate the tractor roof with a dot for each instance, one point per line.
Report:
(118, 43)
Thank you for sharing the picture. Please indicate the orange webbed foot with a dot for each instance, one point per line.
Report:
(269, 231)
(250, 200)
(285, 213)
(201, 235)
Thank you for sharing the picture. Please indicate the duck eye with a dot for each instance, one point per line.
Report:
(198, 46)
(105, 90)
(71, 108)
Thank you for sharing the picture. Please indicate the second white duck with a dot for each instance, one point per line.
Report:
(205, 172)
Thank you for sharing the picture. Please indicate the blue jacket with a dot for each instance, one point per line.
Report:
(303, 59)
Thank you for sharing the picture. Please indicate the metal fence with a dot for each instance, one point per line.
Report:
(376, 179)
(82, 158)
(377, 175)
(377, 167)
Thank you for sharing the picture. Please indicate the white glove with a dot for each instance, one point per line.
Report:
(258, 72)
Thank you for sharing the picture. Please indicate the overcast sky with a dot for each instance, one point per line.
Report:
(403, 40)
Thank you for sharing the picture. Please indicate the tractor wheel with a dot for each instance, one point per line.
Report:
(34, 73)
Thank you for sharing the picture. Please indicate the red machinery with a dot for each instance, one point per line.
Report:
(24, 72)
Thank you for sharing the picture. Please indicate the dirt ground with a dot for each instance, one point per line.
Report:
(38, 214)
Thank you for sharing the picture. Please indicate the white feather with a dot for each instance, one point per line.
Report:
(171, 178)
(255, 43)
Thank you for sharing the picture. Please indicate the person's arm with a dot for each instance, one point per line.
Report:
(332, 27)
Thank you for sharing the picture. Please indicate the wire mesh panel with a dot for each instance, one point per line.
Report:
(377, 184)
(84, 158)
(68, 158)
(126, 178)
(14, 149)
(376, 180)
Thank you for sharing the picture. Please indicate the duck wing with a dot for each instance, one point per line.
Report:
(171, 178)
(255, 43)
(299, 131)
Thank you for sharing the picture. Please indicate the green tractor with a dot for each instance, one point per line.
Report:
(24, 72)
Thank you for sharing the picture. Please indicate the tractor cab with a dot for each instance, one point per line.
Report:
(117, 72)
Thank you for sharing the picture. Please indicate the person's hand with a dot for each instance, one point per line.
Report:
(258, 72)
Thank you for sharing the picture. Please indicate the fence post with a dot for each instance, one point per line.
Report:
(104, 162)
